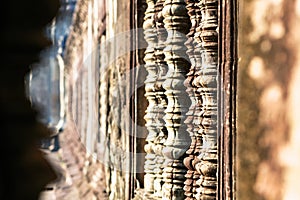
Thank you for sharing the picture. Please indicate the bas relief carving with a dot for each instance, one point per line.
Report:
(181, 88)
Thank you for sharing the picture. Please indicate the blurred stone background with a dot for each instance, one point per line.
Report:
(268, 147)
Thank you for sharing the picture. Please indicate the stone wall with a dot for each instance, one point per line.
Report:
(268, 67)
(98, 63)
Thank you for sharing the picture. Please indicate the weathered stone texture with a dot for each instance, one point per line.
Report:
(99, 78)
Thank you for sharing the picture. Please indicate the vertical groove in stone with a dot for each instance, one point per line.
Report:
(177, 24)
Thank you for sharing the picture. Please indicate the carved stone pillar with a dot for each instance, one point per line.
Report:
(206, 80)
(151, 112)
(194, 111)
(160, 96)
(177, 24)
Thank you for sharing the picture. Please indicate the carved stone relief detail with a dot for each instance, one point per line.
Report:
(103, 99)
(162, 68)
(194, 113)
(181, 88)
(206, 81)
(151, 112)
(177, 24)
